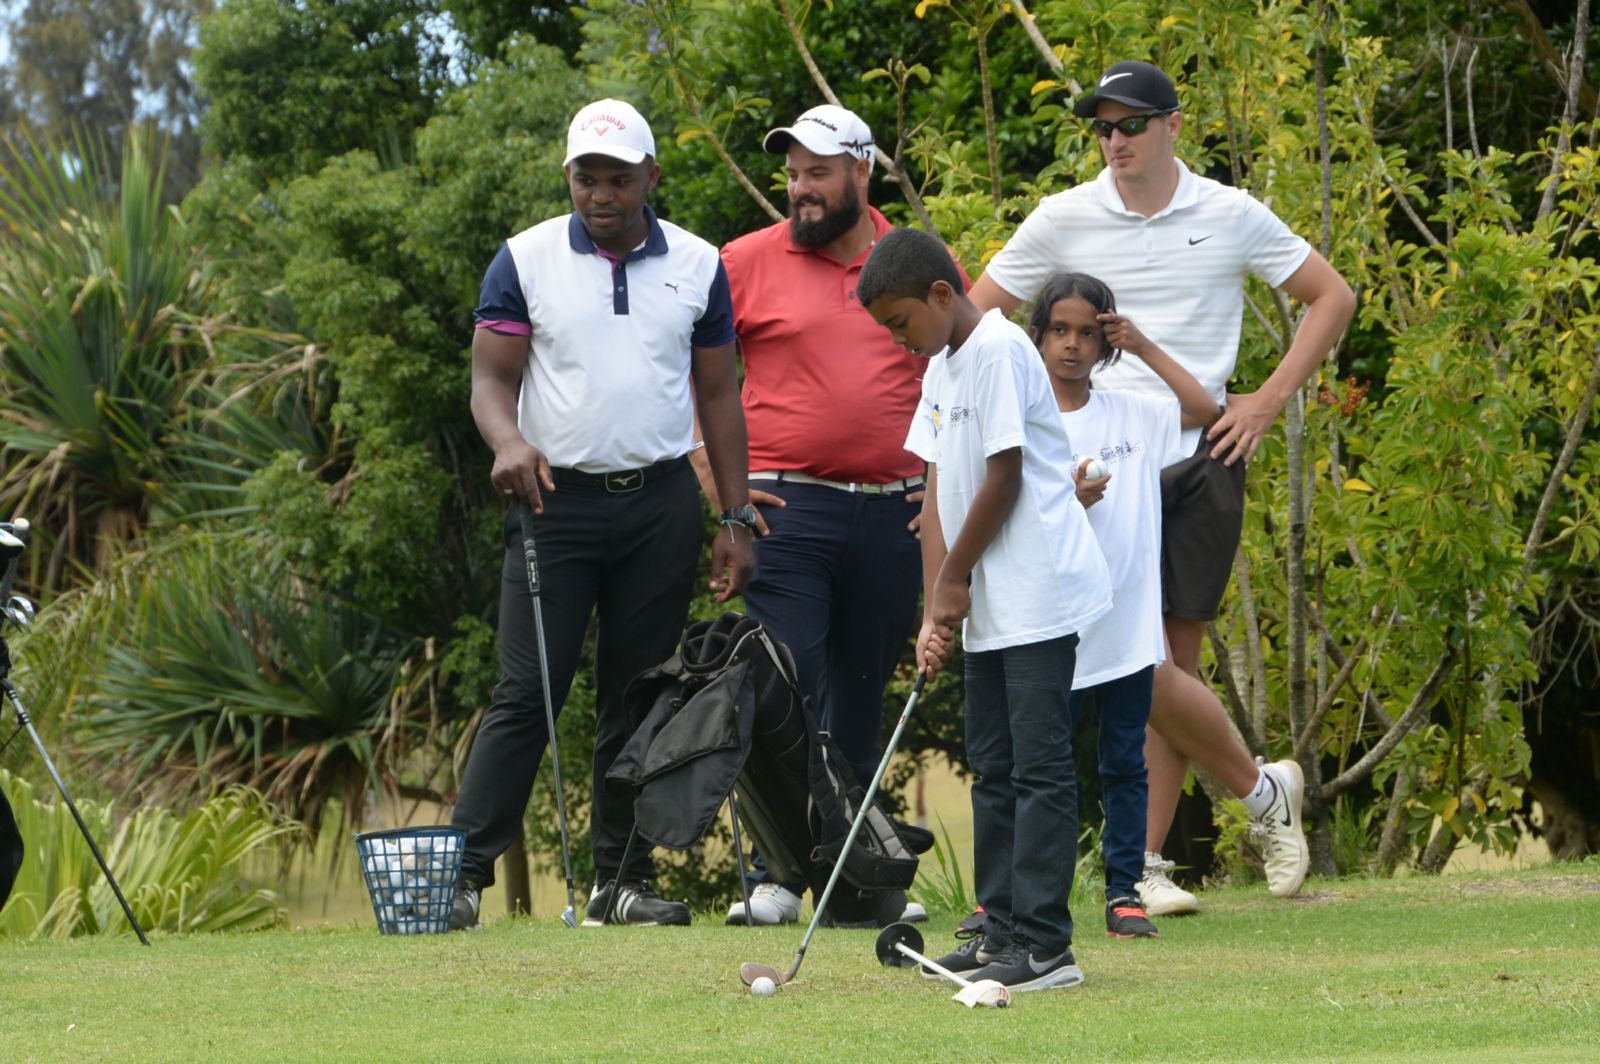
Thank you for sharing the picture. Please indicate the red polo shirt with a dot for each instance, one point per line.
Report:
(826, 391)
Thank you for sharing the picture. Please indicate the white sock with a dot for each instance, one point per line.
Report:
(1258, 801)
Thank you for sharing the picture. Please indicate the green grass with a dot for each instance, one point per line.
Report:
(1487, 967)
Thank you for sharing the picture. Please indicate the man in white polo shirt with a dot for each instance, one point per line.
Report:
(590, 328)
(1176, 249)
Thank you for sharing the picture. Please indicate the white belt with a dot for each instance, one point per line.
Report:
(789, 477)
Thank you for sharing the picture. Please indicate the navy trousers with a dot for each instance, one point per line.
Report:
(1122, 707)
(628, 559)
(837, 581)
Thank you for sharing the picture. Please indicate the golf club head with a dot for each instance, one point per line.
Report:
(20, 611)
(750, 971)
(986, 992)
(898, 935)
(569, 917)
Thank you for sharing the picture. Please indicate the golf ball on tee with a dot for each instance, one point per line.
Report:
(1094, 470)
(763, 987)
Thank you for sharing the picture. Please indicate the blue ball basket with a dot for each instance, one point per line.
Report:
(411, 877)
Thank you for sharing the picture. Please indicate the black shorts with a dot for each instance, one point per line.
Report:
(1202, 513)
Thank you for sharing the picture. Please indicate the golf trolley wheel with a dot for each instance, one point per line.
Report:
(898, 934)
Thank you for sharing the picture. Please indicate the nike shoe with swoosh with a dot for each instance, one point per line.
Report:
(1283, 841)
(1023, 967)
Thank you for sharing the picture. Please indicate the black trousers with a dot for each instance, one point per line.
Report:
(630, 560)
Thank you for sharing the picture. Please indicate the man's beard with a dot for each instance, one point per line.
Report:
(834, 223)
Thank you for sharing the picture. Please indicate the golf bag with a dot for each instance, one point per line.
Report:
(726, 713)
(11, 850)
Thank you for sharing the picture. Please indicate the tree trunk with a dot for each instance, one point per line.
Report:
(514, 874)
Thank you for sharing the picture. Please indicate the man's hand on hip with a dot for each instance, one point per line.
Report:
(1238, 432)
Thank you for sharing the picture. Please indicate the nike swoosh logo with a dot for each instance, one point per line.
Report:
(1202, 240)
(1109, 78)
(1037, 967)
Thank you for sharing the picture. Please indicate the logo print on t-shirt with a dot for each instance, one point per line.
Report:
(670, 285)
(1193, 241)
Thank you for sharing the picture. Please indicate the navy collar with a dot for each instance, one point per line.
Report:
(654, 244)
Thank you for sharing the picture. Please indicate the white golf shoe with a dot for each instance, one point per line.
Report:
(1283, 841)
(770, 904)
(1161, 896)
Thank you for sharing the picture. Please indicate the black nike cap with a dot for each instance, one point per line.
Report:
(1133, 83)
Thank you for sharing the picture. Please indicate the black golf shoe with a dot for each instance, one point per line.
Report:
(636, 904)
(464, 909)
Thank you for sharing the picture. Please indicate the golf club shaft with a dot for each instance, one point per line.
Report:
(855, 827)
(932, 966)
(531, 557)
(50, 766)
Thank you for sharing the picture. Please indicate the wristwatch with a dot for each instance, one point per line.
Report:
(740, 515)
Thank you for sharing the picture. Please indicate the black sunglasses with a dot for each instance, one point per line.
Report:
(1131, 126)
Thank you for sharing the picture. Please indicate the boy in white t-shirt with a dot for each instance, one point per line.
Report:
(1131, 436)
(1007, 550)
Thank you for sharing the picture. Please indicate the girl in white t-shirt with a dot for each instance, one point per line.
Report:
(1131, 437)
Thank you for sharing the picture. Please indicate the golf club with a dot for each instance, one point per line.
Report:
(898, 947)
(531, 556)
(750, 971)
(19, 611)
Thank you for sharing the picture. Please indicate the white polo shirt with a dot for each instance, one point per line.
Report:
(606, 386)
(1179, 275)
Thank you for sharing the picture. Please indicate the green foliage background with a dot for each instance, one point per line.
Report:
(266, 540)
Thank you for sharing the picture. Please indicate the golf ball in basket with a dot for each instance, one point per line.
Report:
(1095, 470)
(763, 987)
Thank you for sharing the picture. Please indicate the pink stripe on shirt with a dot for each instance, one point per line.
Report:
(509, 328)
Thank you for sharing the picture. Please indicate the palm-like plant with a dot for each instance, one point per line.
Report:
(211, 665)
(180, 873)
(98, 292)
(120, 385)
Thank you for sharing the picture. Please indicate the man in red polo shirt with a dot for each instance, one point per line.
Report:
(827, 398)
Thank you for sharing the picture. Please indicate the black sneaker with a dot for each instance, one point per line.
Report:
(636, 904)
(1125, 918)
(464, 909)
(870, 909)
(1023, 968)
(971, 955)
(972, 924)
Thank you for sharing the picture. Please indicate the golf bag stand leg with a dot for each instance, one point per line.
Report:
(27, 724)
(616, 880)
(738, 859)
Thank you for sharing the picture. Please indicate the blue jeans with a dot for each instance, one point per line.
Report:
(1123, 708)
(1025, 795)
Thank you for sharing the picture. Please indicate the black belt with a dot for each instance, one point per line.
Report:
(619, 481)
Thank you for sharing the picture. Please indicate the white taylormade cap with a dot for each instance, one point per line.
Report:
(610, 127)
(826, 130)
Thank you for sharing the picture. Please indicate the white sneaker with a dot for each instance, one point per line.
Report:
(1160, 895)
(914, 913)
(769, 904)
(1283, 841)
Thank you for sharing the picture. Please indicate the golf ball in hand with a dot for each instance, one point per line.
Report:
(1094, 470)
(763, 987)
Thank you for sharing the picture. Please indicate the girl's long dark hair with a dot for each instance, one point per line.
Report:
(1062, 285)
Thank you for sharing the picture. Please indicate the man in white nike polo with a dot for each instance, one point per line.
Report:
(1175, 249)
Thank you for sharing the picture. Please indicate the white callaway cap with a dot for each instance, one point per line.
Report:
(610, 127)
(826, 130)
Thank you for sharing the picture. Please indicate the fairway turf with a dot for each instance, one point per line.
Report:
(1493, 967)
